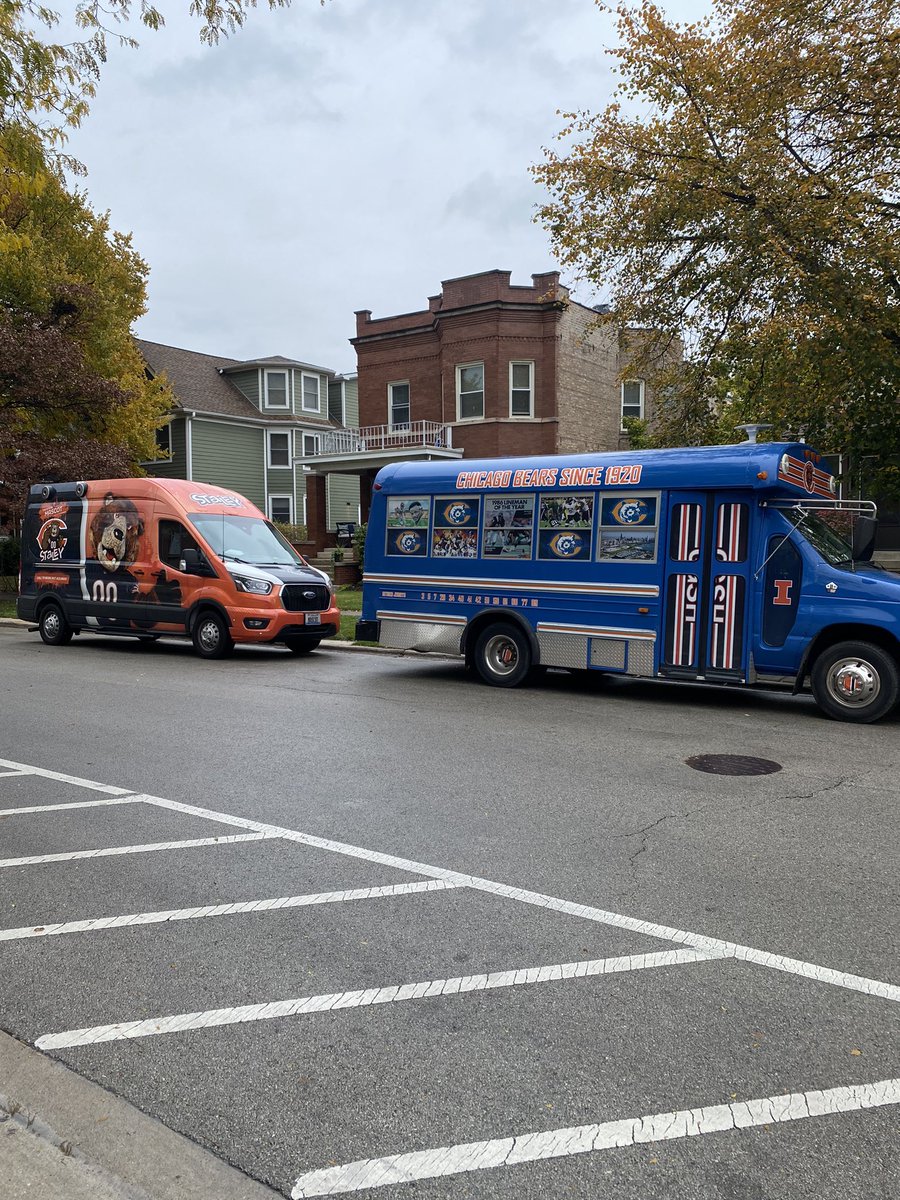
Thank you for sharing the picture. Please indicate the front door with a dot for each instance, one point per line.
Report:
(707, 582)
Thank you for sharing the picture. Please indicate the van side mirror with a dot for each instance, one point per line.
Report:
(864, 532)
(192, 563)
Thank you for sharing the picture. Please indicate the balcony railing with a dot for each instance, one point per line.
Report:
(430, 435)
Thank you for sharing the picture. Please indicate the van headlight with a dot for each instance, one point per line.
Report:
(257, 587)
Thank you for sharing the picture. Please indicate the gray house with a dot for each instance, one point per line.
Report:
(243, 425)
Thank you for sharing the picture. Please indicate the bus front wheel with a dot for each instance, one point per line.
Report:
(502, 655)
(855, 681)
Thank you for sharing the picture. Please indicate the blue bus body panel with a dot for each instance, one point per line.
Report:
(644, 563)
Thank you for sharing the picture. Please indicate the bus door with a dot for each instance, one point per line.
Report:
(706, 587)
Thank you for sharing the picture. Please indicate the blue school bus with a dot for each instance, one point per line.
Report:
(723, 564)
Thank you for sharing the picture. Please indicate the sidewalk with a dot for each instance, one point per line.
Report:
(65, 1138)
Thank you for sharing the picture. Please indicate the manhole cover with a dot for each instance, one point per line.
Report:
(733, 764)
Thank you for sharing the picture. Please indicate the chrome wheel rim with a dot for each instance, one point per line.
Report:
(51, 623)
(208, 635)
(853, 683)
(501, 654)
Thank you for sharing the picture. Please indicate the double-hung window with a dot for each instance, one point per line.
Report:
(276, 390)
(310, 385)
(310, 444)
(470, 392)
(521, 389)
(632, 399)
(281, 510)
(398, 405)
(279, 449)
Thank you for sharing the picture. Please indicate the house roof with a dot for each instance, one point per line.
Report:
(196, 380)
(278, 360)
(200, 382)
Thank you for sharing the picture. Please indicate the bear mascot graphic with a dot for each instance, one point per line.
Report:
(114, 536)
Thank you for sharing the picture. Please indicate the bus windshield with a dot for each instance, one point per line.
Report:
(246, 539)
(827, 541)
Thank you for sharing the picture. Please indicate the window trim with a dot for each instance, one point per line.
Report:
(622, 413)
(278, 466)
(287, 389)
(282, 496)
(529, 363)
(304, 375)
(460, 367)
(304, 434)
(399, 383)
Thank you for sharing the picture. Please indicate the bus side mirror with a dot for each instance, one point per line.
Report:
(864, 538)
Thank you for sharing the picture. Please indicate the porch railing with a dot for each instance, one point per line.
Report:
(429, 434)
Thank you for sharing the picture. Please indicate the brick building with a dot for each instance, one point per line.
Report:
(488, 369)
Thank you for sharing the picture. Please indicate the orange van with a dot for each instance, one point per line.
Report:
(151, 557)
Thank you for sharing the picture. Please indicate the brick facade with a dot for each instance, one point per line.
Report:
(485, 319)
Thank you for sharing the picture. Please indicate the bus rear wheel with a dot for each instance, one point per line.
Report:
(502, 655)
(855, 681)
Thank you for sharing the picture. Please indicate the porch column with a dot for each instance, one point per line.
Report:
(365, 495)
(316, 512)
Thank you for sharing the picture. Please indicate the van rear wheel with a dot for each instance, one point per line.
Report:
(855, 681)
(210, 636)
(502, 655)
(53, 627)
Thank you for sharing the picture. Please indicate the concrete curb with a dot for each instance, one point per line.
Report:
(330, 644)
(72, 1138)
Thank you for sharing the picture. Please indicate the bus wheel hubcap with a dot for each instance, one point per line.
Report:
(51, 623)
(854, 683)
(502, 655)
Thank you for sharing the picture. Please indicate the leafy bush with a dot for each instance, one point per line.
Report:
(359, 545)
(9, 556)
(293, 533)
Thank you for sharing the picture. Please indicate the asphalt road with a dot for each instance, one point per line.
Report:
(571, 789)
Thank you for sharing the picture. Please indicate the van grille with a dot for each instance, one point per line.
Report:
(304, 597)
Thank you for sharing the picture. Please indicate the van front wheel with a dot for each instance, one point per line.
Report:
(54, 629)
(855, 681)
(502, 655)
(211, 637)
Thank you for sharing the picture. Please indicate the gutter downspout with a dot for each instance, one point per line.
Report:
(189, 445)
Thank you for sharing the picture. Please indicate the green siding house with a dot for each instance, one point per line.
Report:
(243, 425)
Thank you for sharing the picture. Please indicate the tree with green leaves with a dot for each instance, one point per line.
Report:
(741, 191)
(70, 290)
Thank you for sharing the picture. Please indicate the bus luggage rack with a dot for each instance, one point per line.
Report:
(304, 597)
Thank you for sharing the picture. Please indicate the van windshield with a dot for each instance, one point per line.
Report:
(246, 539)
(827, 541)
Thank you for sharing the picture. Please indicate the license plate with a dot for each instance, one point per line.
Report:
(313, 619)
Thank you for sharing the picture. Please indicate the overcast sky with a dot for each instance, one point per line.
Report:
(328, 159)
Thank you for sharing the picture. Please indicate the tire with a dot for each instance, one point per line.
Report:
(302, 645)
(855, 681)
(502, 655)
(210, 635)
(54, 629)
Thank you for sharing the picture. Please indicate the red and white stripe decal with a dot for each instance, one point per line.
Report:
(805, 475)
(730, 531)
(684, 628)
(724, 590)
(689, 518)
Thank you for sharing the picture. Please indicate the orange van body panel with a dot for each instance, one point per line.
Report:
(119, 536)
